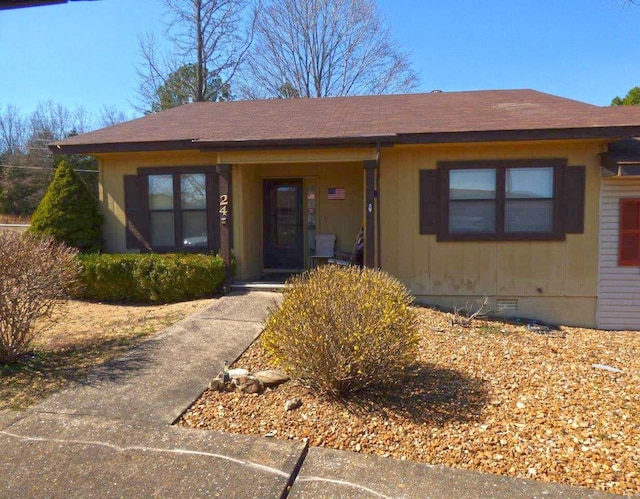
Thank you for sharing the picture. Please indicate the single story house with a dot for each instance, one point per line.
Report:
(528, 198)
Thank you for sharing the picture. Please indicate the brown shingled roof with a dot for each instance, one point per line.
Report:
(434, 117)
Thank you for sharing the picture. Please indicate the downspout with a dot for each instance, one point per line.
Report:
(377, 195)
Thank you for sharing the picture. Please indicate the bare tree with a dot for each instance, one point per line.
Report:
(54, 120)
(210, 39)
(26, 163)
(110, 115)
(320, 48)
(13, 130)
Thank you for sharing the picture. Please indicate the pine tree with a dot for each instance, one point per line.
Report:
(69, 213)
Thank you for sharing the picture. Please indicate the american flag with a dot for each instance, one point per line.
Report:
(336, 193)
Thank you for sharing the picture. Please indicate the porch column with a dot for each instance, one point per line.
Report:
(370, 213)
(225, 212)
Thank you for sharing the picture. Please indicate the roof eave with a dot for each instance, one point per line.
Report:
(609, 132)
(605, 132)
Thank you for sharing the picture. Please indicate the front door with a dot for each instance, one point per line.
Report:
(283, 242)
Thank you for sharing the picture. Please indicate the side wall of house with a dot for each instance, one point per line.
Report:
(554, 281)
(618, 286)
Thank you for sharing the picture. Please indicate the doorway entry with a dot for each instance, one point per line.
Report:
(283, 224)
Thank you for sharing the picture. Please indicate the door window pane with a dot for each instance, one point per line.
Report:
(528, 215)
(287, 215)
(472, 217)
(311, 218)
(194, 228)
(162, 230)
(472, 184)
(161, 192)
(193, 191)
(528, 183)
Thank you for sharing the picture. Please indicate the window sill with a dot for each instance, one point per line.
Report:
(501, 237)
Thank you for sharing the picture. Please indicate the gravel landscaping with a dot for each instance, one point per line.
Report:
(494, 397)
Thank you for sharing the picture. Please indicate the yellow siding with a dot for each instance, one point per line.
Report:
(552, 280)
(297, 156)
(341, 218)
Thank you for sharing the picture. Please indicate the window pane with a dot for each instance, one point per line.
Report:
(193, 191)
(194, 228)
(161, 192)
(528, 215)
(162, 230)
(472, 217)
(472, 184)
(526, 183)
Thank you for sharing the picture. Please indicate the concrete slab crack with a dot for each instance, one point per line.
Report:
(136, 448)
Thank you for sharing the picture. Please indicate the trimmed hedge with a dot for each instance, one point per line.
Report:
(149, 278)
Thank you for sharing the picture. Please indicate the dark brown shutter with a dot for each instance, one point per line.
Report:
(136, 212)
(429, 201)
(573, 206)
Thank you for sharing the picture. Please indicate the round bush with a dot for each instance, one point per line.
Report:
(342, 329)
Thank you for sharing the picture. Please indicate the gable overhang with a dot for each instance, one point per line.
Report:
(622, 158)
(607, 133)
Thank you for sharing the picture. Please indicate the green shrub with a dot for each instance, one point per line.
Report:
(69, 213)
(342, 329)
(150, 278)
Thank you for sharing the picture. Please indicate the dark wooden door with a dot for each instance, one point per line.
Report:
(283, 241)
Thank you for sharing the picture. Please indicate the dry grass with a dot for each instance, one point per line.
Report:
(87, 335)
(492, 397)
(13, 219)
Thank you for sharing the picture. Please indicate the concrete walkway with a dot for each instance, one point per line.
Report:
(111, 436)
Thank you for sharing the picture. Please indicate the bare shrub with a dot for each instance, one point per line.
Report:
(464, 316)
(36, 275)
(342, 329)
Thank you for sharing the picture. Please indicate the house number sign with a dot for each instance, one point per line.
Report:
(224, 201)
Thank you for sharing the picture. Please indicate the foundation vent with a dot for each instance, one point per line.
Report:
(507, 305)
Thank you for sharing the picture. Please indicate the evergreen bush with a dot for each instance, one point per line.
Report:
(69, 213)
(342, 329)
(149, 278)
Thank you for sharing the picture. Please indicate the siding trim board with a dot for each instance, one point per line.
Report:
(618, 286)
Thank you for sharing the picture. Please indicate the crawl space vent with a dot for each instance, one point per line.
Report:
(507, 305)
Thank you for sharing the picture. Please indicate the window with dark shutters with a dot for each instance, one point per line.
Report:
(629, 247)
(510, 200)
(172, 209)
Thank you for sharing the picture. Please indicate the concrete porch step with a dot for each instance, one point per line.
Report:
(258, 286)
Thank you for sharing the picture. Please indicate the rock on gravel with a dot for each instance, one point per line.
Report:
(271, 377)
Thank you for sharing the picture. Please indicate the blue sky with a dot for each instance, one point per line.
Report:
(84, 53)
